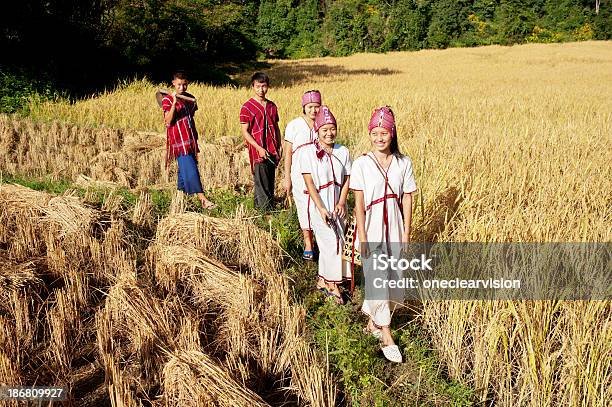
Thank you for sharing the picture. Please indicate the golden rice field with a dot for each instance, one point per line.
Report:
(523, 133)
(509, 144)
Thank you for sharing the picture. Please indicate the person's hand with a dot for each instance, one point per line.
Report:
(340, 209)
(325, 215)
(406, 237)
(405, 241)
(262, 152)
(279, 150)
(364, 250)
(287, 184)
(174, 98)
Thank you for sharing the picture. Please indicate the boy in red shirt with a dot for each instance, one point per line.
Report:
(182, 137)
(259, 121)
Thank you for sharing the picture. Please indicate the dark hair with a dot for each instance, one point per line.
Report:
(180, 74)
(394, 147)
(260, 77)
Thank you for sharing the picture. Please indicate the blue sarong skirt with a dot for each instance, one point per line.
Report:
(188, 174)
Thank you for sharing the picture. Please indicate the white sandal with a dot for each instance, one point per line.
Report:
(392, 353)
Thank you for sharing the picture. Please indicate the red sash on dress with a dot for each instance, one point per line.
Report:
(384, 198)
(328, 184)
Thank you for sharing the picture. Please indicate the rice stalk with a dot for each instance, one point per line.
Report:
(143, 210)
(21, 210)
(64, 327)
(309, 379)
(192, 378)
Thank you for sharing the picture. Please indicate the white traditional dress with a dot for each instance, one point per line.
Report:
(383, 191)
(300, 135)
(328, 173)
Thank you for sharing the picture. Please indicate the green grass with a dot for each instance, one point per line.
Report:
(366, 378)
(95, 196)
(46, 185)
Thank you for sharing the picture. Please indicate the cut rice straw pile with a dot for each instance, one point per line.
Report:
(192, 378)
(235, 242)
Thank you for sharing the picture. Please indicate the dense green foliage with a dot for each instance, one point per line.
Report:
(343, 27)
(16, 89)
(86, 45)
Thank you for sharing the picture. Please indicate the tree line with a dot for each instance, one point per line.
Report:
(306, 28)
(83, 45)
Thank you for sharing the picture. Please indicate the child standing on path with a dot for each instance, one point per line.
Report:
(182, 138)
(259, 121)
(383, 183)
(299, 134)
(326, 167)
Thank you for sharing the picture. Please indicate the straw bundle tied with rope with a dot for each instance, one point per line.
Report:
(207, 279)
(207, 283)
(117, 382)
(29, 219)
(240, 331)
(71, 235)
(115, 255)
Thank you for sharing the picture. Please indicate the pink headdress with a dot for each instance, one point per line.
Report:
(383, 117)
(324, 117)
(311, 96)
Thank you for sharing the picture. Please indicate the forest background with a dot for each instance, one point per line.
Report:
(70, 48)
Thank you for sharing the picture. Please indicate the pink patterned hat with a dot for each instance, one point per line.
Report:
(311, 96)
(383, 117)
(324, 117)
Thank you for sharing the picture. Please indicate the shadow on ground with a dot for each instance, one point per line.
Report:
(295, 73)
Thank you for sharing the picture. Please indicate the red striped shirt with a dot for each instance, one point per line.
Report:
(263, 123)
(182, 136)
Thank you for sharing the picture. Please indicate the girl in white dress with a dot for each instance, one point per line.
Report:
(326, 167)
(383, 183)
(299, 134)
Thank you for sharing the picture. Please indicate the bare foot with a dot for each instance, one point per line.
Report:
(321, 284)
(333, 288)
(387, 338)
(372, 326)
(206, 204)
